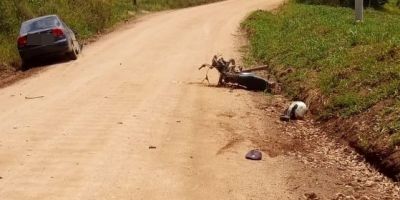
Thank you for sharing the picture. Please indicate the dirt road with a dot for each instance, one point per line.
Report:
(87, 135)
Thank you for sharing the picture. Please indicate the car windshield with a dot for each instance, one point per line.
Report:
(39, 24)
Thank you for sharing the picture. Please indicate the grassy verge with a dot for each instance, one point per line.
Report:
(349, 72)
(86, 17)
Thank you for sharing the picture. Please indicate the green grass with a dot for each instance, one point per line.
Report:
(351, 66)
(86, 17)
(393, 6)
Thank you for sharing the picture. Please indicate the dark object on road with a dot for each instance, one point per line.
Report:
(254, 155)
(232, 74)
(311, 196)
(285, 118)
(38, 97)
(296, 110)
(152, 147)
(46, 36)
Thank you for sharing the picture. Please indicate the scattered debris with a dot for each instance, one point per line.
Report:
(230, 73)
(285, 118)
(254, 155)
(152, 147)
(178, 121)
(320, 151)
(1, 177)
(120, 123)
(311, 196)
(324, 158)
(296, 110)
(340, 196)
(256, 69)
(38, 97)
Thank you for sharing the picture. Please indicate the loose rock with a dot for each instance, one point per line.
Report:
(254, 155)
(311, 196)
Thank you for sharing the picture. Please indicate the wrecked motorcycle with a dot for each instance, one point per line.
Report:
(232, 74)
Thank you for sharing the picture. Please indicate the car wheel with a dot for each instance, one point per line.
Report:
(74, 53)
(25, 65)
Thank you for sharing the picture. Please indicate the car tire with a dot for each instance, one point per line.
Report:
(74, 53)
(25, 65)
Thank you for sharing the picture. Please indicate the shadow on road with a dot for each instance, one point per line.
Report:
(46, 62)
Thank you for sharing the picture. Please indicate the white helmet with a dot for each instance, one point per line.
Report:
(297, 110)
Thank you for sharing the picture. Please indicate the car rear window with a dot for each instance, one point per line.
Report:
(39, 24)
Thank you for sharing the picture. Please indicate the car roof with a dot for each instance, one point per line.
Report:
(39, 18)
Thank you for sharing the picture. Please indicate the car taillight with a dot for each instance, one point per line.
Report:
(57, 32)
(22, 41)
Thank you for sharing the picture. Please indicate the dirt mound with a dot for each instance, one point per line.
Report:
(363, 133)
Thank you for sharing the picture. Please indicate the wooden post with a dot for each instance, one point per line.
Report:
(359, 9)
(134, 2)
